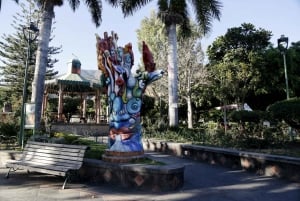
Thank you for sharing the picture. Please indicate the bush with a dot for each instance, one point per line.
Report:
(287, 110)
(8, 132)
(244, 116)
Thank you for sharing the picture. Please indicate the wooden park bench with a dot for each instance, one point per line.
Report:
(49, 158)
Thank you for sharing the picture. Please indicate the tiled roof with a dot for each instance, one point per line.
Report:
(86, 78)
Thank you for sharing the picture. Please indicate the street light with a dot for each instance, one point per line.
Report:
(282, 46)
(30, 34)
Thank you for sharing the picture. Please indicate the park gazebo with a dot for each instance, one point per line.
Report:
(76, 82)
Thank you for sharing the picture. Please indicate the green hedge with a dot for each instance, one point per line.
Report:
(287, 110)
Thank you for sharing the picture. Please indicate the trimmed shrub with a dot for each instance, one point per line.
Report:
(244, 116)
(287, 110)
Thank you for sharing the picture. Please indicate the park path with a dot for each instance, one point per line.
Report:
(203, 182)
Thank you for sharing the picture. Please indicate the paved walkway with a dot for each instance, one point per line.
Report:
(202, 182)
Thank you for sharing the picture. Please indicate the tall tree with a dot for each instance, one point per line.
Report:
(152, 32)
(172, 13)
(190, 62)
(47, 8)
(236, 60)
(13, 53)
(293, 65)
(191, 71)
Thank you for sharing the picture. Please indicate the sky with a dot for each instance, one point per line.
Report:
(75, 31)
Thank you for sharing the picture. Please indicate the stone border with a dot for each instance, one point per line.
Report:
(262, 164)
(156, 178)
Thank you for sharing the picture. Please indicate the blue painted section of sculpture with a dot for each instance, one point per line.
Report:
(124, 90)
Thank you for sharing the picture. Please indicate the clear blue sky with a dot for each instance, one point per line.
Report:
(76, 32)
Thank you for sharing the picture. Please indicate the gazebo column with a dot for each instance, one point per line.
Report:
(84, 105)
(60, 101)
(97, 106)
(45, 102)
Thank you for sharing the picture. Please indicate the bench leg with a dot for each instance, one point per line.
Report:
(10, 169)
(65, 182)
(7, 175)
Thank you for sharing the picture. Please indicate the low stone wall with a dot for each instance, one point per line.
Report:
(156, 178)
(262, 164)
(82, 129)
(163, 146)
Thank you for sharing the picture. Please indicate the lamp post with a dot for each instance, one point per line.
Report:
(282, 46)
(30, 34)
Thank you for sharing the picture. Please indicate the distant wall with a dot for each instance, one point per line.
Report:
(262, 164)
(81, 129)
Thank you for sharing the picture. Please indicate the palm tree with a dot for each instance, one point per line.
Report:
(47, 7)
(172, 13)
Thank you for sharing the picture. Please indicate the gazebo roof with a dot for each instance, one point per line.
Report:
(87, 77)
(85, 81)
(69, 79)
(76, 80)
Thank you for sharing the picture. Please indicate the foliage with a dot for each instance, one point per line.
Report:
(8, 132)
(192, 74)
(293, 70)
(177, 12)
(246, 38)
(173, 13)
(47, 15)
(234, 62)
(70, 105)
(213, 115)
(287, 110)
(13, 55)
(151, 31)
(146, 161)
(148, 105)
(245, 67)
(272, 87)
(253, 137)
(244, 116)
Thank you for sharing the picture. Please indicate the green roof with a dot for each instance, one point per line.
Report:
(86, 81)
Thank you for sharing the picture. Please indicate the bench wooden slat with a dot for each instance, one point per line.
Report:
(47, 152)
(37, 147)
(39, 169)
(57, 145)
(73, 160)
(47, 162)
(53, 166)
(43, 155)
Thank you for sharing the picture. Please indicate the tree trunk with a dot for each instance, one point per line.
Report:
(189, 112)
(41, 61)
(172, 76)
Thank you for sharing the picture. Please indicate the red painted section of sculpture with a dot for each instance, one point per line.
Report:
(148, 58)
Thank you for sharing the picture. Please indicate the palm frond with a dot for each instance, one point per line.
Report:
(206, 11)
(95, 7)
(130, 6)
(74, 4)
(113, 2)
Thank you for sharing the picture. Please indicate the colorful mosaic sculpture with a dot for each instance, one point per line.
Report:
(124, 90)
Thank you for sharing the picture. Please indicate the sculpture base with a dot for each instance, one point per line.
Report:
(122, 157)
